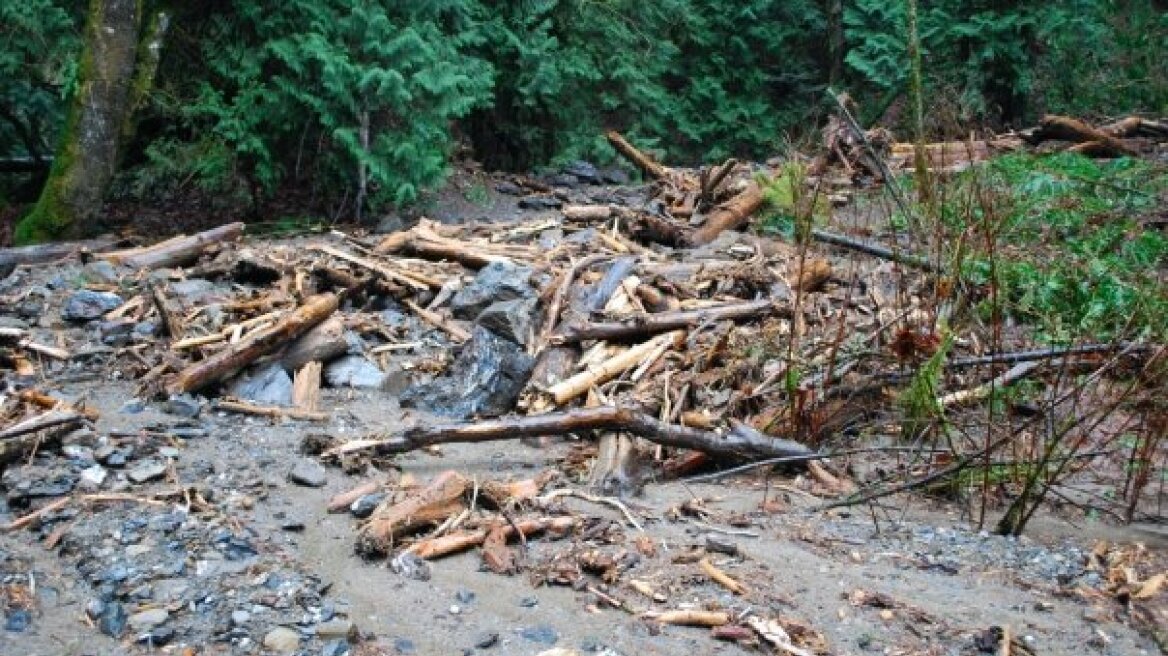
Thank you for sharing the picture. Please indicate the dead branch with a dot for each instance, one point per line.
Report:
(907, 259)
(651, 324)
(243, 407)
(741, 443)
(235, 357)
(1066, 128)
(585, 380)
(721, 578)
(441, 498)
(729, 215)
(647, 164)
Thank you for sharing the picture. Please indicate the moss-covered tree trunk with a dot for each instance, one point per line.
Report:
(117, 67)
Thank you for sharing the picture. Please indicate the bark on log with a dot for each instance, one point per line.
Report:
(431, 503)
(647, 164)
(1070, 129)
(322, 343)
(729, 215)
(651, 324)
(586, 212)
(237, 356)
(41, 253)
(741, 443)
(175, 252)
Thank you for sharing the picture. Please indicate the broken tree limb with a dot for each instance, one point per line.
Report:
(690, 617)
(433, 548)
(235, 357)
(22, 339)
(434, 502)
(727, 216)
(174, 252)
(1066, 128)
(651, 324)
(379, 268)
(907, 259)
(1013, 375)
(51, 419)
(741, 443)
(721, 578)
(648, 165)
(611, 368)
(25, 437)
(243, 407)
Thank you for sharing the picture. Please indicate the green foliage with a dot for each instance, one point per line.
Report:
(919, 401)
(1081, 262)
(39, 41)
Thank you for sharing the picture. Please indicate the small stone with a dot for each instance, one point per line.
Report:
(455, 609)
(464, 597)
(365, 505)
(18, 620)
(148, 619)
(159, 636)
(404, 646)
(308, 473)
(240, 617)
(354, 371)
(487, 640)
(87, 305)
(282, 640)
(292, 525)
(183, 405)
(543, 634)
(337, 629)
(529, 602)
(94, 608)
(720, 544)
(410, 566)
(132, 407)
(113, 620)
(92, 477)
(146, 471)
(335, 648)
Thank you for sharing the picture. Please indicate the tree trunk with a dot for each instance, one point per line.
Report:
(116, 71)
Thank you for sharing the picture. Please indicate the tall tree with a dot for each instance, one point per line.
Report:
(117, 67)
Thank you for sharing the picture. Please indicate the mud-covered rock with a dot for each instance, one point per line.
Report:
(87, 305)
(513, 320)
(485, 380)
(498, 281)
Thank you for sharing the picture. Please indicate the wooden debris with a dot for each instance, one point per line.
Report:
(702, 618)
(232, 359)
(721, 578)
(646, 164)
(244, 407)
(177, 251)
(306, 387)
(433, 503)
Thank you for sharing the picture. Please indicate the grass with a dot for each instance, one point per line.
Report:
(1072, 256)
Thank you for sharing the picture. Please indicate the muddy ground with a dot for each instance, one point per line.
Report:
(256, 561)
(953, 582)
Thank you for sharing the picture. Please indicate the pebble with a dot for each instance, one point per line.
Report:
(464, 597)
(404, 646)
(159, 636)
(308, 474)
(529, 602)
(410, 566)
(146, 471)
(240, 617)
(182, 405)
(282, 640)
(113, 620)
(93, 477)
(365, 505)
(18, 620)
(87, 305)
(335, 648)
(487, 640)
(543, 634)
(148, 619)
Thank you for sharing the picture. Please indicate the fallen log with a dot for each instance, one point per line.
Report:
(235, 357)
(41, 253)
(651, 324)
(324, 342)
(1066, 128)
(727, 216)
(648, 165)
(740, 443)
(174, 252)
(390, 521)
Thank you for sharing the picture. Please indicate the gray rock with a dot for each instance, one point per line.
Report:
(562, 180)
(269, 385)
(282, 640)
(354, 371)
(183, 405)
(93, 477)
(615, 176)
(117, 332)
(404, 646)
(365, 505)
(487, 640)
(509, 188)
(148, 619)
(513, 320)
(193, 291)
(410, 566)
(132, 407)
(113, 620)
(584, 171)
(240, 617)
(100, 271)
(146, 472)
(308, 473)
(86, 305)
(495, 282)
(485, 380)
(335, 648)
(543, 634)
